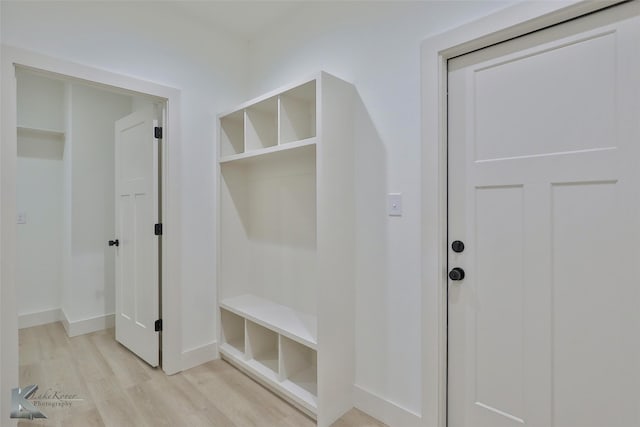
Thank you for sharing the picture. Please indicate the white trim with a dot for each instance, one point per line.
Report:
(86, 326)
(37, 318)
(503, 25)
(384, 410)
(171, 249)
(199, 355)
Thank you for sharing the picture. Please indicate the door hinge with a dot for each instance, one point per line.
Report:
(157, 132)
(157, 229)
(158, 325)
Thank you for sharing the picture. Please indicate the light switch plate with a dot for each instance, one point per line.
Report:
(394, 204)
(22, 218)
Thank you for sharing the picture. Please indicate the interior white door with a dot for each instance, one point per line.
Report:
(544, 189)
(137, 255)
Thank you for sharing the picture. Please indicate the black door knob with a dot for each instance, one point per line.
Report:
(456, 274)
(114, 242)
(457, 246)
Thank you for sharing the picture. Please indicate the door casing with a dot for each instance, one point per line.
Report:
(509, 23)
(171, 254)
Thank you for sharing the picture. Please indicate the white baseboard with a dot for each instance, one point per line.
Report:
(384, 410)
(199, 355)
(86, 326)
(28, 320)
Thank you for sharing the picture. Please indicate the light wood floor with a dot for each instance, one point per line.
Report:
(120, 390)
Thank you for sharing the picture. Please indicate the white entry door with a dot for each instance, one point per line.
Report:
(137, 212)
(544, 193)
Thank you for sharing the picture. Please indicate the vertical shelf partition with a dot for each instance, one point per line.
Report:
(286, 255)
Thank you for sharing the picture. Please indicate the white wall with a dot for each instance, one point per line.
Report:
(374, 45)
(39, 194)
(148, 41)
(39, 245)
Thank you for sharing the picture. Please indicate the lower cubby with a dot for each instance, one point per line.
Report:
(298, 366)
(232, 330)
(282, 364)
(262, 346)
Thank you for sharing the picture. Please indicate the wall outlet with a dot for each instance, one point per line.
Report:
(22, 218)
(394, 204)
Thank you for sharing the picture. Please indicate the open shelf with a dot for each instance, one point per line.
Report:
(232, 330)
(298, 113)
(261, 125)
(262, 346)
(232, 134)
(299, 327)
(267, 152)
(298, 366)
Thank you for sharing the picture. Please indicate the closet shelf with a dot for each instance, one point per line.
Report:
(27, 130)
(299, 327)
(264, 152)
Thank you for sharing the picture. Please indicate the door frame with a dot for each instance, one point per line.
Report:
(503, 25)
(171, 254)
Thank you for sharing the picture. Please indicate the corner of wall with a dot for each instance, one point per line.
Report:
(383, 409)
(199, 355)
(86, 326)
(27, 320)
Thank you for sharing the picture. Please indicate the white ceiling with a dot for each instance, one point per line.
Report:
(244, 19)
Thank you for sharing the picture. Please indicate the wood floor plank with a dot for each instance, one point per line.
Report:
(91, 363)
(233, 405)
(119, 389)
(357, 418)
(28, 346)
(88, 418)
(120, 412)
(124, 365)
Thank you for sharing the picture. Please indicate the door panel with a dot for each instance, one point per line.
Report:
(544, 190)
(509, 93)
(592, 325)
(499, 275)
(137, 259)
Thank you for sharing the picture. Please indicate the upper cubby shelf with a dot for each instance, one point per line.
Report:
(268, 152)
(279, 121)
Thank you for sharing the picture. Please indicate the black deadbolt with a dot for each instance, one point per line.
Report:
(457, 246)
(114, 242)
(456, 274)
